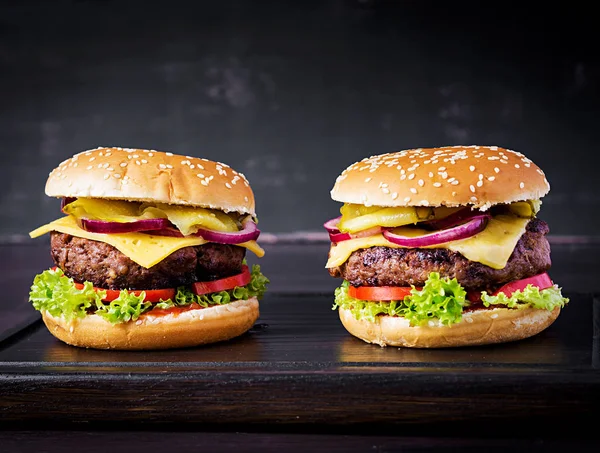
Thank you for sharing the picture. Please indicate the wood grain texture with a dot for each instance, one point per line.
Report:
(298, 367)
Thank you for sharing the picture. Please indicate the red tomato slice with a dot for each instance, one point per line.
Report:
(152, 295)
(379, 292)
(542, 281)
(223, 284)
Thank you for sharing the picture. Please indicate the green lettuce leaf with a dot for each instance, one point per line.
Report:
(531, 296)
(443, 300)
(440, 299)
(54, 292)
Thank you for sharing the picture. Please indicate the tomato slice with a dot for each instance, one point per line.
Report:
(241, 279)
(379, 292)
(542, 281)
(152, 295)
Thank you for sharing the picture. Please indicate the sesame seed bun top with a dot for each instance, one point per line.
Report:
(151, 176)
(478, 176)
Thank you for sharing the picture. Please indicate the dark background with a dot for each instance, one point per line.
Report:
(290, 93)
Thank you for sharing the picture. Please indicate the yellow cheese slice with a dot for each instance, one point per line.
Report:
(492, 246)
(144, 249)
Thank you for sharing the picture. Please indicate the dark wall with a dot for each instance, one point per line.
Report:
(290, 93)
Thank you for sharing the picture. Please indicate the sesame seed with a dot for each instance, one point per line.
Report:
(117, 175)
(503, 161)
(413, 190)
(473, 198)
(123, 164)
(385, 190)
(89, 167)
(472, 187)
(455, 182)
(444, 175)
(431, 174)
(421, 182)
(480, 176)
(204, 182)
(402, 177)
(411, 176)
(425, 202)
(491, 178)
(246, 199)
(453, 194)
(150, 154)
(521, 185)
(169, 154)
(106, 176)
(228, 185)
(437, 184)
(201, 176)
(517, 166)
(472, 168)
(144, 161)
(394, 195)
(92, 159)
(367, 179)
(496, 169)
(162, 166)
(407, 199)
(479, 183)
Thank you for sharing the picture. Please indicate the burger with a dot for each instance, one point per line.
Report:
(442, 247)
(149, 252)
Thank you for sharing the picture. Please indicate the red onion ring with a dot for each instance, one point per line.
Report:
(249, 233)
(336, 236)
(331, 225)
(106, 227)
(463, 231)
(453, 219)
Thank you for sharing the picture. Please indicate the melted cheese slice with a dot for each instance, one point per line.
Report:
(492, 246)
(145, 249)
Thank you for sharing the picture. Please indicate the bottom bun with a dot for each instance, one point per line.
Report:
(185, 329)
(478, 327)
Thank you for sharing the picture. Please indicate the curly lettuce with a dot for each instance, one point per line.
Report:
(442, 300)
(531, 296)
(54, 292)
(439, 299)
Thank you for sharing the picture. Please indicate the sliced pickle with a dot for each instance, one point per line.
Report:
(352, 221)
(525, 209)
(107, 210)
(189, 219)
(350, 210)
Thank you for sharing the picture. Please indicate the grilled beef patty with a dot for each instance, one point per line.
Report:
(385, 266)
(106, 267)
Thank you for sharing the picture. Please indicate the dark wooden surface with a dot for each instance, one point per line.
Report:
(298, 379)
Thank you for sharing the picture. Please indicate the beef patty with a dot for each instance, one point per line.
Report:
(106, 267)
(385, 266)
